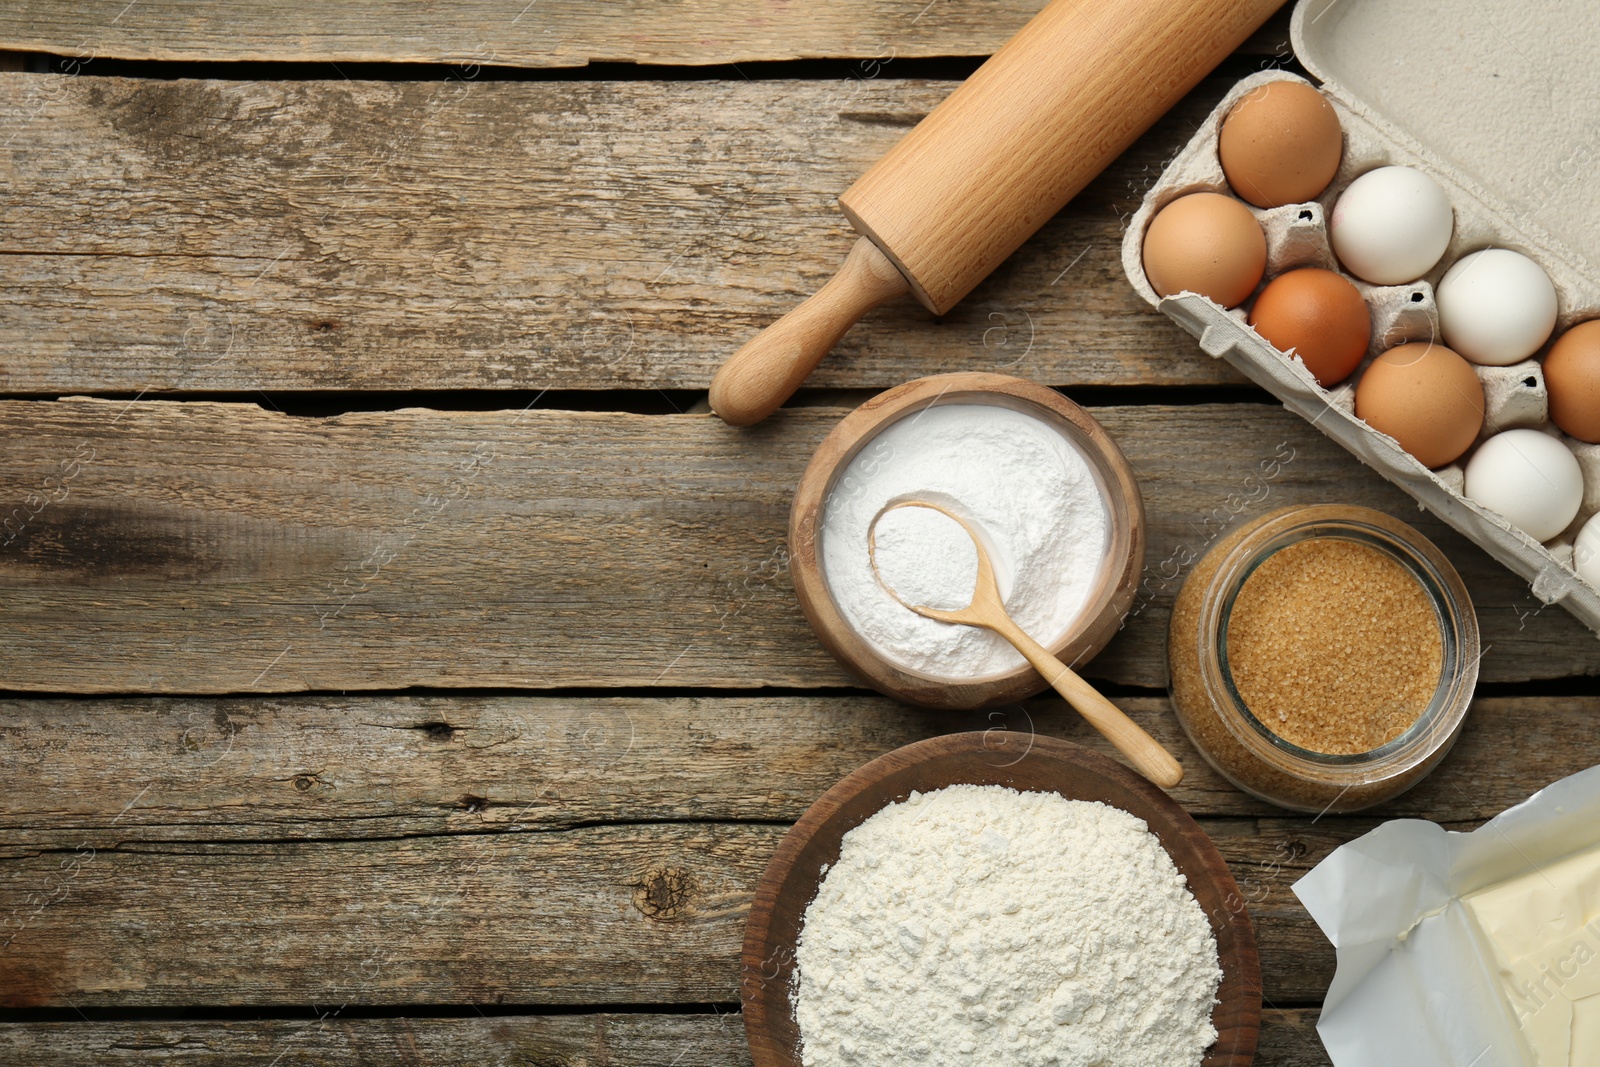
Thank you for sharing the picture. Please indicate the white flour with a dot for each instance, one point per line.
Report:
(925, 557)
(983, 927)
(1015, 477)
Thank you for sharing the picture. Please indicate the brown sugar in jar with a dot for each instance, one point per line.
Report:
(1322, 658)
(1334, 646)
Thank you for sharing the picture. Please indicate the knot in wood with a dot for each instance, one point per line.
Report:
(663, 894)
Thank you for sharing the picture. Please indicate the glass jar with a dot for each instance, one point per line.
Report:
(1246, 751)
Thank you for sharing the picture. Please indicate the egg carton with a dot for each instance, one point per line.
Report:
(1493, 208)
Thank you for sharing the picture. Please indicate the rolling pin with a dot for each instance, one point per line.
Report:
(1002, 154)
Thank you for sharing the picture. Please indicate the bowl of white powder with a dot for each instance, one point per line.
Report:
(1048, 490)
(940, 907)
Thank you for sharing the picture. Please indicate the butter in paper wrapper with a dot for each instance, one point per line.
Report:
(1466, 949)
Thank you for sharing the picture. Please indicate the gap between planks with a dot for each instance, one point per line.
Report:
(470, 34)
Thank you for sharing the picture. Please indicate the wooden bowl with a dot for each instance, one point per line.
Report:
(1048, 765)
(1102, 615)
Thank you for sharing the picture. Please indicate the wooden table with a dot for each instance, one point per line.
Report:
(400, 664)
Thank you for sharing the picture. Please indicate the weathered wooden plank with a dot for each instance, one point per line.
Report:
(1288, 1039)
(525, 830)
(549, 33)
(614, 1040)
(634, 913)
(89, 774)
(213, 548)
(234, 236)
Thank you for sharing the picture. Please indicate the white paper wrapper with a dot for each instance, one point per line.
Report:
(1415, 983)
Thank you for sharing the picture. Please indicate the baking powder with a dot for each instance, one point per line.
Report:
(925, 557)
(1020, 482)
(984, 927)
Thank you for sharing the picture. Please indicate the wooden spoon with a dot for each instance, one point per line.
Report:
(988, 611)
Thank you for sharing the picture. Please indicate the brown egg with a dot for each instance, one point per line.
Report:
(1572, 374)
(1320, 315)
(1205, 243)
(1424, 396)
(1281, 144)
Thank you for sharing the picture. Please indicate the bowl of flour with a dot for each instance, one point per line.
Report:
(942, 907)
(1051, 494)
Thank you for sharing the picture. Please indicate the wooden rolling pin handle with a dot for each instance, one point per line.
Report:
(1130, 739)
(772, 364)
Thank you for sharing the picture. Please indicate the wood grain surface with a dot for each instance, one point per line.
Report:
(529, 850)
(548, 858)
(330, 235)
(212, 548)
(549, 33)
(1288, 1039)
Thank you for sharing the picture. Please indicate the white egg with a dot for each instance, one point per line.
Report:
(1391, 225)
(1528, 477)
(1586, 552)
(1496, 307)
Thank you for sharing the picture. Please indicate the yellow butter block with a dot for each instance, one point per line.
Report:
(1543, 933)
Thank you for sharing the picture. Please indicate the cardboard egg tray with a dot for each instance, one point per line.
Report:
(1441, 89)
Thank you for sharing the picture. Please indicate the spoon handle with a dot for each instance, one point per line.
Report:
(1130, 739)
